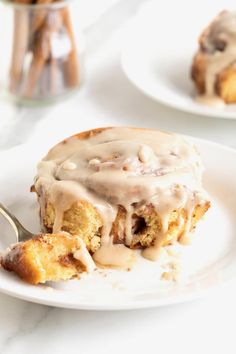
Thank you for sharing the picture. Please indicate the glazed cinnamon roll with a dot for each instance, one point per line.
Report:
(48, 257)
(120, 189)
(214, 65)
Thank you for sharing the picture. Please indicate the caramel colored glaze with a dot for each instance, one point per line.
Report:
(115, 256)
(123, 168)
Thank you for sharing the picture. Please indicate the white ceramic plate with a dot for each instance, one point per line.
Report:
(160, 43)
(208, 262)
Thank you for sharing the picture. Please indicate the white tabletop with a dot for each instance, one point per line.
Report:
(201, 326)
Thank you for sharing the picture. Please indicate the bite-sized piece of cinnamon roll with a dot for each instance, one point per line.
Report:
(48, 257)
(214, 65)
(121, 189)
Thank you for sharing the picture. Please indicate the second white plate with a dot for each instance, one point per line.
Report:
(160, 43)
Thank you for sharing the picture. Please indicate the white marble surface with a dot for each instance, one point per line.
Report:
(202, 326)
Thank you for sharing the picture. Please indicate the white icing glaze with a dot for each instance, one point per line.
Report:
(212, 101)
(69, 165)
(83, 256)
(123, 167)
(219, 44)
(114, 256)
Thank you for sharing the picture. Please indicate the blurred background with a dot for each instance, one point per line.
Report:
(70, 66)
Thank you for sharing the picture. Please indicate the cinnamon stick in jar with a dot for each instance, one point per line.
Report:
(40, 55)
(20, 45)
(40, 15)
(71, 69)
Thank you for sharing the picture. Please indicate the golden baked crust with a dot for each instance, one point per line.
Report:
(225, 84)
(47, 257)
(83, 219)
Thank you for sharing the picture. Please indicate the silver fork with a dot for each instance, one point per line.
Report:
(21, 233)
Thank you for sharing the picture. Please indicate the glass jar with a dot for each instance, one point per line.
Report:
(39, 49)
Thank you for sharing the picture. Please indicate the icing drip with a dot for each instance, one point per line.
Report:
(83, 256)
(114, 256)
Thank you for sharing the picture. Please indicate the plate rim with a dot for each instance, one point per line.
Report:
(137, 305)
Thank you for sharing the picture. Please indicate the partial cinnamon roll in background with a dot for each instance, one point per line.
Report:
(214, 65)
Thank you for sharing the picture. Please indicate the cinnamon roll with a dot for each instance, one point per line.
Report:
(48, 257)
(214, 65)
(121, 189)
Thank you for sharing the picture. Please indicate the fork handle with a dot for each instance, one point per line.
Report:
(21, 233)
